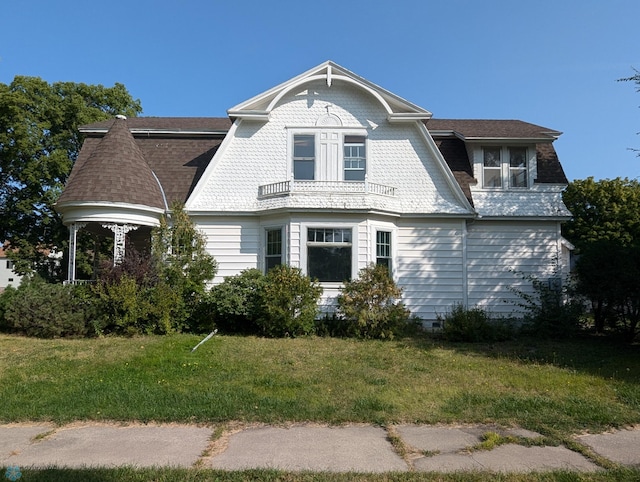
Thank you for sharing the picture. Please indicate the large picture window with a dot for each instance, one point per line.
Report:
(355, 159)
(329, 254)
(304, 157)
(273, 251)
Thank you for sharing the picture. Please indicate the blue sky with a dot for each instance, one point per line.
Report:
(550, 62)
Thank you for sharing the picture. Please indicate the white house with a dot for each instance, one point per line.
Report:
(8, 277)
(330, 172)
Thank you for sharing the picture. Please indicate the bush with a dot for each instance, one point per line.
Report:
(369, 305)
(45, 310)
(288, 302)
(6, 298)
(552, 310)
(473, 325)
(233, 305)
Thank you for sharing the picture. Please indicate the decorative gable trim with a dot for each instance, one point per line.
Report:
(259, 107)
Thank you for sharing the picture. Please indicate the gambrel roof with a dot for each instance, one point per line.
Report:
(178, 149)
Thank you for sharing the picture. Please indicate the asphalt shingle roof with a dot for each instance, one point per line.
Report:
(119, 157)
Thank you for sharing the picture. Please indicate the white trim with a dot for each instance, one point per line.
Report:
(105, 212)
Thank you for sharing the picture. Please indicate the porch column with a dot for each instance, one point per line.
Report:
(119, 237)
(73, 235)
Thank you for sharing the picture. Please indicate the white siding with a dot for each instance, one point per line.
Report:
(233, 242)
(500, 253)
(429, 266)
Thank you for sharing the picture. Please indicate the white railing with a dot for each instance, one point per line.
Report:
(79, 282)
(343, 187)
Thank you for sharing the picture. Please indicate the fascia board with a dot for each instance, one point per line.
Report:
(159, 132)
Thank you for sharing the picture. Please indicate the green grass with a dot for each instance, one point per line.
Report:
(555, 388)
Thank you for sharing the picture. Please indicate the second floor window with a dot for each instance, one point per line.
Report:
(518, 172)
(492, 167)
(355, 159)
(304, 157)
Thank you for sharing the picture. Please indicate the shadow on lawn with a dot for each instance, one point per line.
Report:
(594, 355)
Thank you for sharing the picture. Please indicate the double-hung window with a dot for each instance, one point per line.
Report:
(273, 245)
(492, 167)
(383, 248)
(329, 254)
(355, 159)
(304, 157)
(518, 167)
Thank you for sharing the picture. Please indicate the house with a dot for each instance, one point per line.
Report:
(8, 277)
(330, 172)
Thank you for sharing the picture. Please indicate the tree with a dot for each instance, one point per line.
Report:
(605, 229)
(605, 210)
(181, 259)
(39, 142)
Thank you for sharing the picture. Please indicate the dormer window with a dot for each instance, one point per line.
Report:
(518, 167)
(505, 167)
(492, 171)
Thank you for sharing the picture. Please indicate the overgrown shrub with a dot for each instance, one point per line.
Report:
(45, 310)
(370, 305)
(233, 306)
(473, 325)
(6, 298)
(552, 310)
(288, 302)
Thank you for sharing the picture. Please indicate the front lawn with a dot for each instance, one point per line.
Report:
(552, 387)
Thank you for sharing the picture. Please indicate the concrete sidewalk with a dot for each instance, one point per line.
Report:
(297, 447)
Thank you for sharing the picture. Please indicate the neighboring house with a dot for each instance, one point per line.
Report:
(330, 172)
(7, 276)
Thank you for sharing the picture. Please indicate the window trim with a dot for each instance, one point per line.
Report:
(266, 254)
(304, 245)
(344, 132)
(353, 143)
(505, 168)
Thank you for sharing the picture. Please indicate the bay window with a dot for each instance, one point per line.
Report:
(329, 254)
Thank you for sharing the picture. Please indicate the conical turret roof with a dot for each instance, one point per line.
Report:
(115, 171)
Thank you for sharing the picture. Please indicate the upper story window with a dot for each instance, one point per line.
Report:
(329, 155)
(492, 167)
(518, 171)
(304, 157)
(505, 167)
(355, 160)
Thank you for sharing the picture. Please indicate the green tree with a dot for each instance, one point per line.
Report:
(182, 261)
(605, 210)
(39, 142)
(605, 229)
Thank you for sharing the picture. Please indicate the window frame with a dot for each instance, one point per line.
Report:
(267, 244)
(349, 142)
(386, 253)
(300, 159)
(306, 244)
(506, 171)
(523, 170)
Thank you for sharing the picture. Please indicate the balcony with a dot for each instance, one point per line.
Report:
(286, 188)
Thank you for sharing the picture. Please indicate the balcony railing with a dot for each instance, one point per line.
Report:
(343, 187)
